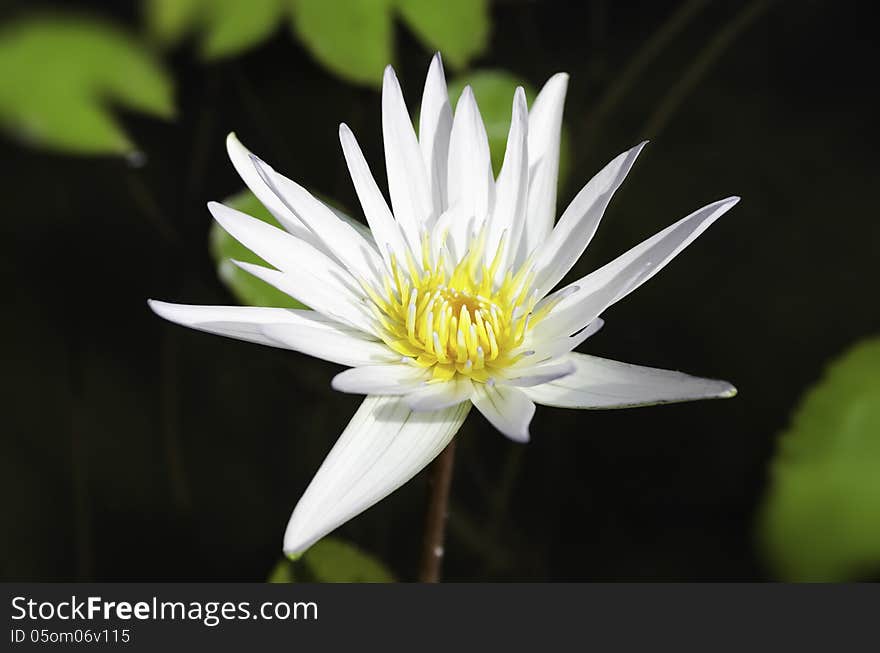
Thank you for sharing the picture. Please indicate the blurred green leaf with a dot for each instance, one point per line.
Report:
(60, 76)
(821, 518)
(332, 561)
(353, 40)
(459, 29)
(224, 248)
(228, 27)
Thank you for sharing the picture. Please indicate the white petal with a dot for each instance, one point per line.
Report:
(435, 396)
(545, 126)
(471, 184)
(241, 160)
(407, 180)
(568, 240)
(304, 331)
(383, 447)
(393, 379)
(525, 377)
(507, 408)
(316, 294)
(610, 283)
(357, 225)
(435, 125)
(344, 242)
(509, 213)
(602, 383)
(386, 231)
(541, 351)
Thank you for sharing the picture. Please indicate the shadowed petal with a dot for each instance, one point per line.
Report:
(435, 125)
(598, 290)
(545, 127)
(508, 409)
(393, 379)
(601, 383)
(383, 447)
(304, 331)
(411, 199)
(568, 240)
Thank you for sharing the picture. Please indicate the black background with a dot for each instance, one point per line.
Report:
(134, 449)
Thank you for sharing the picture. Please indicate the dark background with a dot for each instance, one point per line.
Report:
(134, 449)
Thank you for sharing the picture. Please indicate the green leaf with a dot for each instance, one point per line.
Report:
(332, 560)
(60, 76)
(354, 40)
(459, 29)
(821, 518)
(227, 27)
(224, 248)
(494, 91)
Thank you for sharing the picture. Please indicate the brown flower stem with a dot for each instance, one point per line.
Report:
(435, 523)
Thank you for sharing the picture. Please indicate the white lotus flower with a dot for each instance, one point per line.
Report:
(448, 299)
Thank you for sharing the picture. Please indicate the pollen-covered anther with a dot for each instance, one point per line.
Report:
(455, 320)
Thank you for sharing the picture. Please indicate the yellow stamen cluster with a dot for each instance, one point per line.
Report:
(455, 319)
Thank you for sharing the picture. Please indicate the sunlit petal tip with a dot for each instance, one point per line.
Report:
(389, 77)
(729, 393)
(159, 307)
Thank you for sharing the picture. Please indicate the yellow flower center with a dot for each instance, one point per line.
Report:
(456, 319)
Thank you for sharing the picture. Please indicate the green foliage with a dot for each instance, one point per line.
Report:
(457, 28)
(354, 42)
(60, 76)
(246, 288)
(352, 38)
(228, 27)
(821, 518)
(331, 560)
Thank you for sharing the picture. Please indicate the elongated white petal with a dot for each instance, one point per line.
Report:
(316, 294)
(309, 275)
(509, 213)
(407, 180)
(568, 240)
(304, 331)
(524, 377)
(383, 447)
(360, 227)
(243, 163)
(551, 348)
(508, 409)
(435, 125)
(344, 242)
(435, 396)
(386, 230)
(602, 383)
(393, 379)
(471, 184)
(610, 283)
(334, 344)
(241, 160)
(545, 126)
